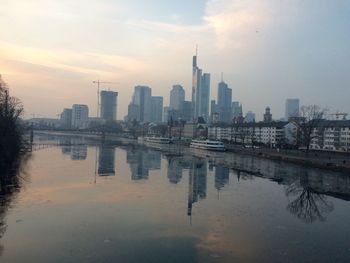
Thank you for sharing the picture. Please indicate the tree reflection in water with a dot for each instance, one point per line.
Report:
(12, 177)
(309, 205)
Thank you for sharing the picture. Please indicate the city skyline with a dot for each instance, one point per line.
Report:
(48, 55)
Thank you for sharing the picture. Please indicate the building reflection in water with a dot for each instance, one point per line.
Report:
(76, 147)
(106, 160)
(174, 170)
(141, 161)
(222, 176)
(197, 183)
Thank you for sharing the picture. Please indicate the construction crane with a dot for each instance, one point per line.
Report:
(337, 114)
(98, 82)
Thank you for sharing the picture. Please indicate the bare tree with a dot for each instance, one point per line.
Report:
(309, 120)
(11, 109)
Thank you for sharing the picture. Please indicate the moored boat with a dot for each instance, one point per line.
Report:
(160, 140)
(207, 145)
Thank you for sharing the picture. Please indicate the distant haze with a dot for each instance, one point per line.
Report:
(51, 51)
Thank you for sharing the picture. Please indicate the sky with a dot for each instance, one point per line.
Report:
(268, 50)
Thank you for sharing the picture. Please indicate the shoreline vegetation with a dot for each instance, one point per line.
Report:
(13, 146)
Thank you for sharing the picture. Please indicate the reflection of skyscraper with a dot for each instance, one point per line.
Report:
(174, 170)
(106, 160)
(141, 161)
(197, 183)
(79, 152)
(221, 176)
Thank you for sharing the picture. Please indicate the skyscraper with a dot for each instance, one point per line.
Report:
(109, 105)
(80, 115)
(177, 96)
(249, 117)
(203, 97)
(236, 110)
(292, 108)
(66, 118)
(142, 98)
(200, 91)
(224, 102)
(185, 112)
(157, 109)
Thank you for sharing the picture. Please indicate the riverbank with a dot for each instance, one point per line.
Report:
(339, 162)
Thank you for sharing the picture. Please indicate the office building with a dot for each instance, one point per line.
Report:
(166, 114)
(200, 91)
(237, 111)
(109, 105)
(66, 118)
(292, 108)
(185, 111)
(249, 117)
(224, 107)
(142, 98)
(157, 109)
(80, 115)
(177, 96)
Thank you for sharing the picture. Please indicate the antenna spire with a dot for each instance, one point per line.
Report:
(196, 49)
(222, 77)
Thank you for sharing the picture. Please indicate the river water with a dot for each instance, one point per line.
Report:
(97, 202)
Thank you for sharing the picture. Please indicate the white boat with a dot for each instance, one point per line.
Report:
(207, 145)
(160, 140)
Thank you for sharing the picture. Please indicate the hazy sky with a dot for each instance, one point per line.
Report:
(51, 51)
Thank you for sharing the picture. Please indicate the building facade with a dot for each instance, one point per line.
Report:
(331, 136)
(224, 107)
(142, 98)
(177, 96)
(200, 91)
(157, 109)
(292, 108)
(271, 134)
(80, 115)
(109, 105)
(66, 118)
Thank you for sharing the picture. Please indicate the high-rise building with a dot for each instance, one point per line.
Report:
(80, 115)
(267, 115)
(133, 112)
(203, 98)
(237, 111)
(177, 96)
(109, 105)
(292, 108)
(200, 91)
(186, 113)
(142, 98)
(66, 118)
(224, 102)
(249, 117)
(157, 109)
(166, 114)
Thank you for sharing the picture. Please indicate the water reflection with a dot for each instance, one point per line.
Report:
(12, 176)
(306, 189)
(174, 170)
(119, 216)
(106, 160)
(197, 184)
(305, 202)
(141, 161)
